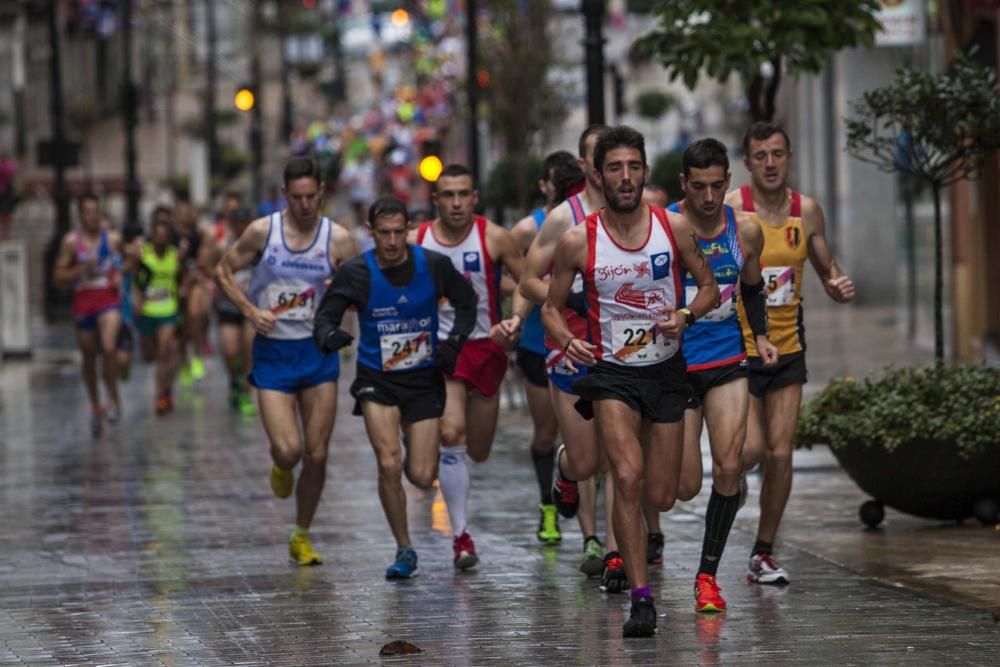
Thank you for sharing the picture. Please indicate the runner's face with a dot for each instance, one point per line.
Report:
(161, 232)
(704, 191)
(90, 215)
(768, 161)
(623, 176)
(389, 235)
(305, 196)
(185, 215)
(455, 199)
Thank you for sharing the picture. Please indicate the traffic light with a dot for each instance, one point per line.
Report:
(245, 98)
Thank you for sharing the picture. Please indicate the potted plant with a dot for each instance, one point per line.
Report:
(924, 441)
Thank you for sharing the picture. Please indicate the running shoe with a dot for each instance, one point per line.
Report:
(282, 481)
(614, 579)
(185, 375)
(592, 564)
(197, 369)
(654, 548)
(405, 565)
(565, 494)
(707, 594)
(247, 407)
(96, 423)
(642, 618)
(765, 570)
(548, 524)
(111, 413)
(163, 404)
(465, 552)
(300, 549)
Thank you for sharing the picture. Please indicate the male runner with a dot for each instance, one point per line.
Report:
(87, 261)
(631, 257)
(558, 166)
(156, 288)
(794, 228)
(195, 293)
(478, 248)
(235, 332)
(714, 350)
(578, 459)
(293, 252)
(395, 288)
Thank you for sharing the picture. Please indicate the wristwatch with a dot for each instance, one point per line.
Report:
(688, 316)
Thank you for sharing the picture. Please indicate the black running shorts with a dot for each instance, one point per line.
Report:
(704, 380)
(532, 366)
(659, 392)
(419, 394)
(790, 369)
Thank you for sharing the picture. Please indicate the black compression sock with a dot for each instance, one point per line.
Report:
(718, 521)
(543, 472)
(761, 547)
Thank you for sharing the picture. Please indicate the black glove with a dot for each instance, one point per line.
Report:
(577, 302)
(447, 356)
(335, 340)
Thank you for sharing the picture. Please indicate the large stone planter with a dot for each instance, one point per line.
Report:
(925, 479)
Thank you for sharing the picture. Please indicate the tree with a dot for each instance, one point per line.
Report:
(521, 103)
(747, 38)
(951, 122)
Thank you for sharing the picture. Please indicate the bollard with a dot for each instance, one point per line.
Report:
(15, 317)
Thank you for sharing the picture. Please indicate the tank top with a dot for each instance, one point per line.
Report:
(95, 289)
(782, 262)
(290, 283)
(242, 279)
(716, 339)
(399, 324)
(625, 289)
(159, 297)
(577, 324)
(472, 260)
(532, 332)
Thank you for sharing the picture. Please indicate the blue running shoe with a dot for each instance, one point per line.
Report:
(405, 565)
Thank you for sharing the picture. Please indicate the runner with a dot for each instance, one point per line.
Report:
(87, 261)
(561, 166)
(157, 285)
(195, 295)
(794, 228)
(715, 353)
(578, 459)
(235, 332)
(399, 383)
(293, 252)
(631, 257)
(478, 249)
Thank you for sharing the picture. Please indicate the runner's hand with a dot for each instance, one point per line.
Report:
(673, 325)
(507, 330)
(840, 289)
(767, 351)
(446, 356)
(263, 321)
(335, 340)
(580, 352)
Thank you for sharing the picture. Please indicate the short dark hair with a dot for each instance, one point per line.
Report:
(302, 167)
(616, 137)
(242, 215)
(566, 175)
(157, 217)
(454, 169)
(761, 130)
(422, 215)
(85, 197)
(703, 154)
(595, 128)
(552, 160)
(385, 207)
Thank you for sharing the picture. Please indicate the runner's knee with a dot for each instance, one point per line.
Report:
(421, 476)
(688, 488)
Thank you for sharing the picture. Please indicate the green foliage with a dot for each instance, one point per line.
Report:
(513, 182)
(641, 6)
(232, 160)
(666, 173)
(957, 406)
(951, 121)
(652, 104)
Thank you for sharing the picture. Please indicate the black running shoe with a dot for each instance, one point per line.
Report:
(642, 619)
(565, 494)
(654, 548)
(614, 579)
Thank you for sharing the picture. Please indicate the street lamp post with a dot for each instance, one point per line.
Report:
(593, 12)
(256, 118)
(210, 77)
(471, 88)
(130, 112)
(59, 156)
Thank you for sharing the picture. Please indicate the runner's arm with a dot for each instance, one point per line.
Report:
(506, 250)
(448, 282)
(343, 246)
(533, 285)
(694, 260)
(835, 281)
(66, 270)
(350, 287)
(570, 257)
(249, 247)
(752, 290)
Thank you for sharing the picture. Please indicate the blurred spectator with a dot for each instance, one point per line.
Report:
(8, 194)
(358, 176)
(273, 202)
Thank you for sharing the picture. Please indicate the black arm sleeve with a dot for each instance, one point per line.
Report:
(350, 287)
(755, 303)
(450, 283)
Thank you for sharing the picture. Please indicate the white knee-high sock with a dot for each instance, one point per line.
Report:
(453, 476)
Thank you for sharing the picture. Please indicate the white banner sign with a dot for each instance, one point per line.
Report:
(903, 22)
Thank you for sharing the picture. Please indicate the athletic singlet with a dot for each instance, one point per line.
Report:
(95, 289)
(290, 283)
(625, 290)
(159, 296)
(782, 262)
(399, 324)
(576, 324)
(242, 279)
(532, 332)
(473, 261)
(716, 339)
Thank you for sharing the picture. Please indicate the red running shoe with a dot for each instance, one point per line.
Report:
(707, 594)
(465, 552)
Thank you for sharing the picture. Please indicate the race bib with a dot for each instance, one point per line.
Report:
(640, 342)
(291, 300)
(157, 293)
(780, 281)
(405, 350)
(727, 301)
